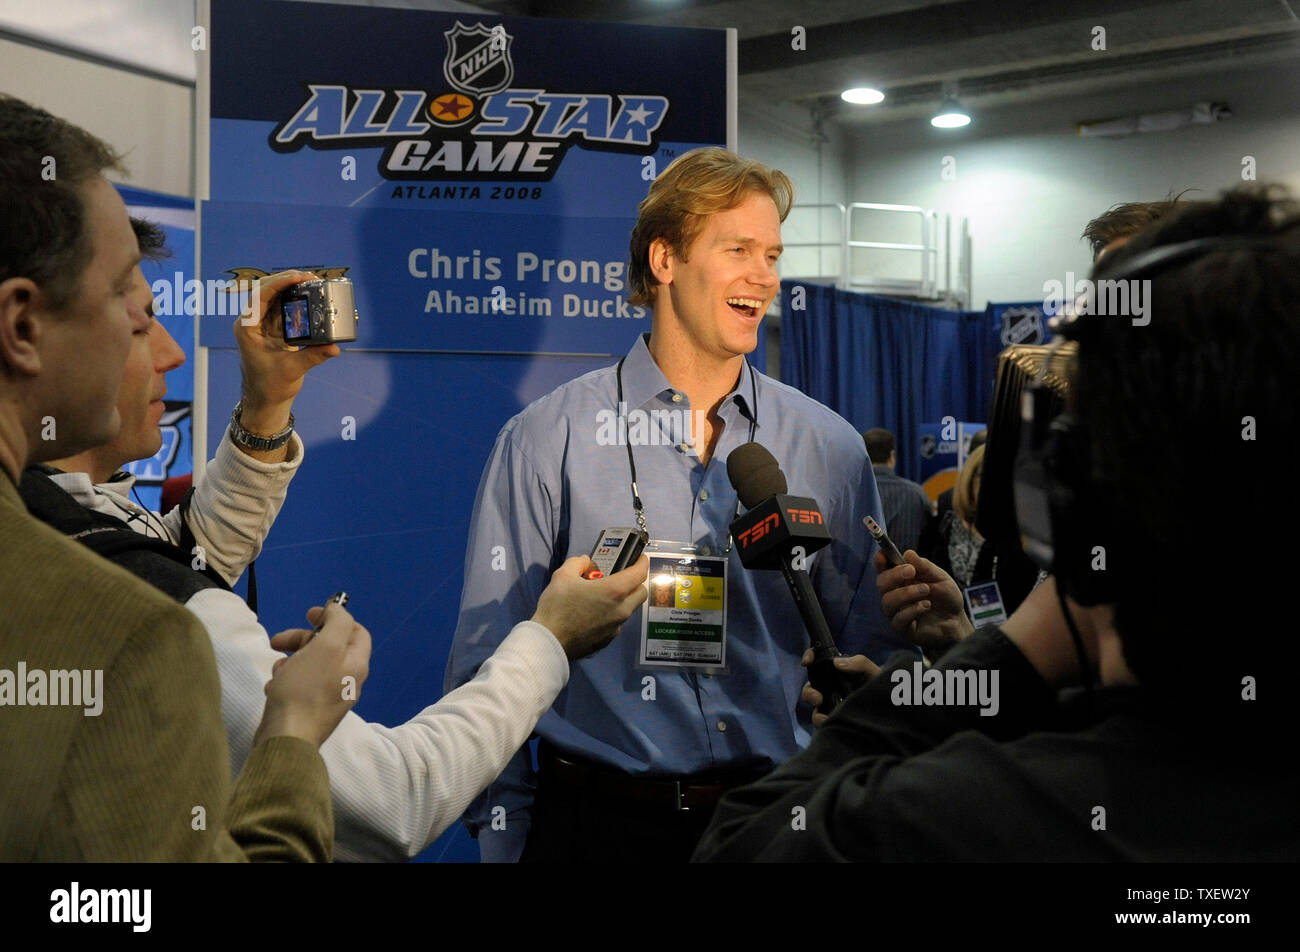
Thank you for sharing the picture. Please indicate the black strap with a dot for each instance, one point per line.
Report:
(187, 536)
(631, 462)
(107, 535)
(252, 587)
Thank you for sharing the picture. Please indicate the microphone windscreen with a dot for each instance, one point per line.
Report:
(755, 474)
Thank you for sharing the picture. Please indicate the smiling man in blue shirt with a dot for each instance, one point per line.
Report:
(634, 754)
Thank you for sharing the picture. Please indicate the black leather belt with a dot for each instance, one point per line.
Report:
(562, 771)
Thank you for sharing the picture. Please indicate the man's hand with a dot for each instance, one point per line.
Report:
(922, 602)
(859, 666)
(585, 614)
(273, 371)
(309, 693)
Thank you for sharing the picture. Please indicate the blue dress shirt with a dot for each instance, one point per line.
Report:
(548, 490)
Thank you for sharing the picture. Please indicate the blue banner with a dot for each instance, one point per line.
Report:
(432, 107)
(476, 176)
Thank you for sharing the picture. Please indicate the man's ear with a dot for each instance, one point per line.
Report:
(21, 313)
(661, 261)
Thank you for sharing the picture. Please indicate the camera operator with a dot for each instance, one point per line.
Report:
(1185, 707)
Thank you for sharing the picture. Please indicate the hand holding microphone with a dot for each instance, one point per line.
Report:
(858, 669)
(778, 532)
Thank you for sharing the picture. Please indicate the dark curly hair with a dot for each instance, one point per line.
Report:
(1192, 421)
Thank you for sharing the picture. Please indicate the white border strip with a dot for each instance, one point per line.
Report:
(202, 117)
(733, 109)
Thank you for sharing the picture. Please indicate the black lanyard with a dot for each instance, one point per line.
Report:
(631, 463)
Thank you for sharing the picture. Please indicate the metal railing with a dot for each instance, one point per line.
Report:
(925, 286)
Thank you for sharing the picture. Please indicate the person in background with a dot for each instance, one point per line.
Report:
(1113, 228)
(952, 541)
(905, 505)
(944, 503)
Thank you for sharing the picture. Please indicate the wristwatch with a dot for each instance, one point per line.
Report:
(253, 442)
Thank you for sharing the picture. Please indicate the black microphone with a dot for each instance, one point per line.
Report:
(778, 531)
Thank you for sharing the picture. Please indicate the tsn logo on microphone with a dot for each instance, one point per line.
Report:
(757, 531)
(810, 517)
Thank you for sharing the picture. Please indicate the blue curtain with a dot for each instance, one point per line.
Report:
(878, 361)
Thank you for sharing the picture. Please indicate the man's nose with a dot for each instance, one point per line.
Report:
(167, 354)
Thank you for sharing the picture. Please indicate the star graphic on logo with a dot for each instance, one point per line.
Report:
(451, 107)
(638, 114)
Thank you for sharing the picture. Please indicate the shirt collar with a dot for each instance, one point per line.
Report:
(643, 380)
(120, 482)
(82, 488)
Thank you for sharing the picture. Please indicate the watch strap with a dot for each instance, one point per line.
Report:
(251, 440)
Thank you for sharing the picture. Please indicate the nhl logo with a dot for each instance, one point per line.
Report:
(1022, 325)
(478, 59)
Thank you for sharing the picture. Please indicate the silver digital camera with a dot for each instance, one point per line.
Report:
(319, 312)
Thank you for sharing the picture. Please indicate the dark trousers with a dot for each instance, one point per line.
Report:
(590, 819)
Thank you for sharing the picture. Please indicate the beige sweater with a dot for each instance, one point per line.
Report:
(148, 777)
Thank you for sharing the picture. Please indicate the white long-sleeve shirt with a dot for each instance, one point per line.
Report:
(395, 789)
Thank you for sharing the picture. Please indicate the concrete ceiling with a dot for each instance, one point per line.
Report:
(995, 52)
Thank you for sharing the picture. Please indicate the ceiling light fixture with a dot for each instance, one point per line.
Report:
(951, 115)
(862, 96)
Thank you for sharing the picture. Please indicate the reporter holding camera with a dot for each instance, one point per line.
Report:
(394, 789)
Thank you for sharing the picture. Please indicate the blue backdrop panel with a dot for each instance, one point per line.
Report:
(385, 516)
(878, 361)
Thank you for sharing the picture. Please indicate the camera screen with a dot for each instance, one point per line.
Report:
(296, 325)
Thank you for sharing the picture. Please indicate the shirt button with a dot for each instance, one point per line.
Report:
(722, 726)
(704, 494)
(677, 398)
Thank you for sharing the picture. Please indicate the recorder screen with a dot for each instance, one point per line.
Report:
(296, 325)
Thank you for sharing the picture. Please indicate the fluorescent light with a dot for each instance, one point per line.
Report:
(951, 115)
(862, 96)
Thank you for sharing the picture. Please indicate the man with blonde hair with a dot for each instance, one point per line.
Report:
(700, 695)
